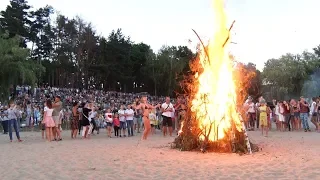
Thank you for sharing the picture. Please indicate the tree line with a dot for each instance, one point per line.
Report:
(68, 52)
(292, 75)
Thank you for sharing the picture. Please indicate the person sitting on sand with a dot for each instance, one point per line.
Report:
(263, 111)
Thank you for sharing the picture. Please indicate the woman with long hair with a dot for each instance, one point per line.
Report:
(296, 114)
(145, 108)
(48, 121)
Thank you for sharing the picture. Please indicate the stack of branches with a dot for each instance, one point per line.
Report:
(190, 133)
(195, 136)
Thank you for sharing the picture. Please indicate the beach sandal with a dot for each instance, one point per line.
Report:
(19, 140)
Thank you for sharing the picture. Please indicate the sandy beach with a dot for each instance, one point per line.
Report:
(286, 155)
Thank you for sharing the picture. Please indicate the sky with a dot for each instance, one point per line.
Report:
(264, 29)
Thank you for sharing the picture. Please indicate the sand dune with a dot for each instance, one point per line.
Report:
(288, 155)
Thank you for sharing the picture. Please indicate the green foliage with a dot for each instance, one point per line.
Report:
(15, 20)
(73, 55)
(15, 67)
(289, 73)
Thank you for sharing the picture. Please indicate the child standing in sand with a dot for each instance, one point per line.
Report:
(116, 124)
(152, 117)
(109, 120)
(99, 122)
(42, 125)
(263, 116)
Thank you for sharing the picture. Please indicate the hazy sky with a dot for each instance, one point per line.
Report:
(264, 29)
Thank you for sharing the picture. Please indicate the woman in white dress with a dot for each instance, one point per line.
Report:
(281, 116)
(48, 121)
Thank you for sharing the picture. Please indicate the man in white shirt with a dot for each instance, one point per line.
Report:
(313, 113)
(122, 119)
(129, 113)
(250, 108)
(167, 112)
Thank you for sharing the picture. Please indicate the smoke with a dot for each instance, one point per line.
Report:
(311, 87)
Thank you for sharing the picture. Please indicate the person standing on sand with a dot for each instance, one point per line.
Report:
(137, 115)
(57, 107)
(80, 116)
(75, 120)
(296, 115)
(263, 113)
(287, 115)
(122, 118)
(92, 117)
(250, 109)
(12, 116)
(304, 109)
(116, 124)
(42, 125)
(281, 116)
(109, 120)
(48, 120)
(313, 113)
(4, 122)
(177, 107)
(145, 107)
(129, 118)
(153, 117)
(257, 109)
(85, 120)
(167, 109)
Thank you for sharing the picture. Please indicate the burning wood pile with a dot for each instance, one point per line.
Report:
(216, 91)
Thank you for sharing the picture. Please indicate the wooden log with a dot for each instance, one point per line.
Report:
(246, 136)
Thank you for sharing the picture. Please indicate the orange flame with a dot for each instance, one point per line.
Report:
(215, 102)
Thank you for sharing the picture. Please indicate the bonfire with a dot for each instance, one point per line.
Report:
(215, 92)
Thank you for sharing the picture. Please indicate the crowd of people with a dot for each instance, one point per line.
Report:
(126, 114)
(291, 115)
(87, 111)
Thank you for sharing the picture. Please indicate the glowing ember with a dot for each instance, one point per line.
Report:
(214, 104)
